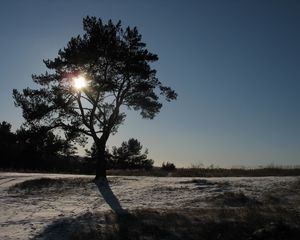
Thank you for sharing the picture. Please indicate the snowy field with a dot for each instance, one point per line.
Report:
(26, 215)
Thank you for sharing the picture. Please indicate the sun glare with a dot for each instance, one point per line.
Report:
(79, 82)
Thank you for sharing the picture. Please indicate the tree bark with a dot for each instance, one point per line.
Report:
(101, 164)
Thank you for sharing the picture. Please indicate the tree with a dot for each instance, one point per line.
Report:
(116, 65)
(168, 166)
(129, 156)
(7, 145)
(43, 147)
(32, 148)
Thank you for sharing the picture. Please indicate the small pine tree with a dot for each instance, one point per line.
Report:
(168, 166)
(129, 156)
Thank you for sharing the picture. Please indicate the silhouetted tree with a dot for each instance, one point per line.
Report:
(5, 128)
(129, 156)
(33, 148)
(168, 166)
(7, 145)
(116, 64)
(42, 148)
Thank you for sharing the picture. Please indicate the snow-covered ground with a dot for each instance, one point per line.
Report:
(25, 217)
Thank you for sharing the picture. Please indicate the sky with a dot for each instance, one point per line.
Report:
(234, 64)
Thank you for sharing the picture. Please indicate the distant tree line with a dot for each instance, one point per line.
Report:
(42, 150)
(34, 149)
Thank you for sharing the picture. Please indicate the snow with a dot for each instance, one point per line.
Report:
(24, 218)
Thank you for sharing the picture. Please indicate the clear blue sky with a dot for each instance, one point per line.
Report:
(235, 65)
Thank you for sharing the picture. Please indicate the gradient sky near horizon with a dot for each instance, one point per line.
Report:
(234, 64)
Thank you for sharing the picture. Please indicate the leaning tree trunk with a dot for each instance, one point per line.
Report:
(101, 164)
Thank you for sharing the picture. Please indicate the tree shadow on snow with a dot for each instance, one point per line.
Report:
(156, 225)
(177, 224)
(106, 225)
(109, 197)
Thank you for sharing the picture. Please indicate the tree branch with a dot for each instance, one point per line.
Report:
(82, 111)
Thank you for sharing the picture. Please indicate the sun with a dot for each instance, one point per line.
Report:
(79, 82)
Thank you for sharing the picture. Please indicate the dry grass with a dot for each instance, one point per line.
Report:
(237, 216)
(209, 172)
(244, 223)
(46, 186)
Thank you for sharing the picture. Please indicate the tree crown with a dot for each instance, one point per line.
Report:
(116, 65)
